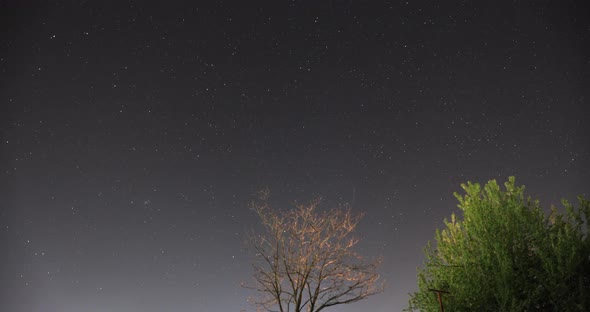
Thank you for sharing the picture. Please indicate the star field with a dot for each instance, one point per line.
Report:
(134, 134)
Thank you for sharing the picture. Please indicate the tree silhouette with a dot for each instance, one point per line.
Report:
(306, 259)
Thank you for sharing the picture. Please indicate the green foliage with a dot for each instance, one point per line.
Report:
(506, 254)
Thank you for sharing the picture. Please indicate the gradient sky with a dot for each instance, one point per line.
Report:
(133, 135)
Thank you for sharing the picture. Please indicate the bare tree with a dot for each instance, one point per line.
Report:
(306, 260)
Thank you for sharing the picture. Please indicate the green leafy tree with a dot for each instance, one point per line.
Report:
(506, 254)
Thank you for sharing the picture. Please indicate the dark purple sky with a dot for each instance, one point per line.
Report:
(134, 135)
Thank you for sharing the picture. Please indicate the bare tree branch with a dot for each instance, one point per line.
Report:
(307, 259)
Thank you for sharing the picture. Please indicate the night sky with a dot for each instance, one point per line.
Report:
(134, 135)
